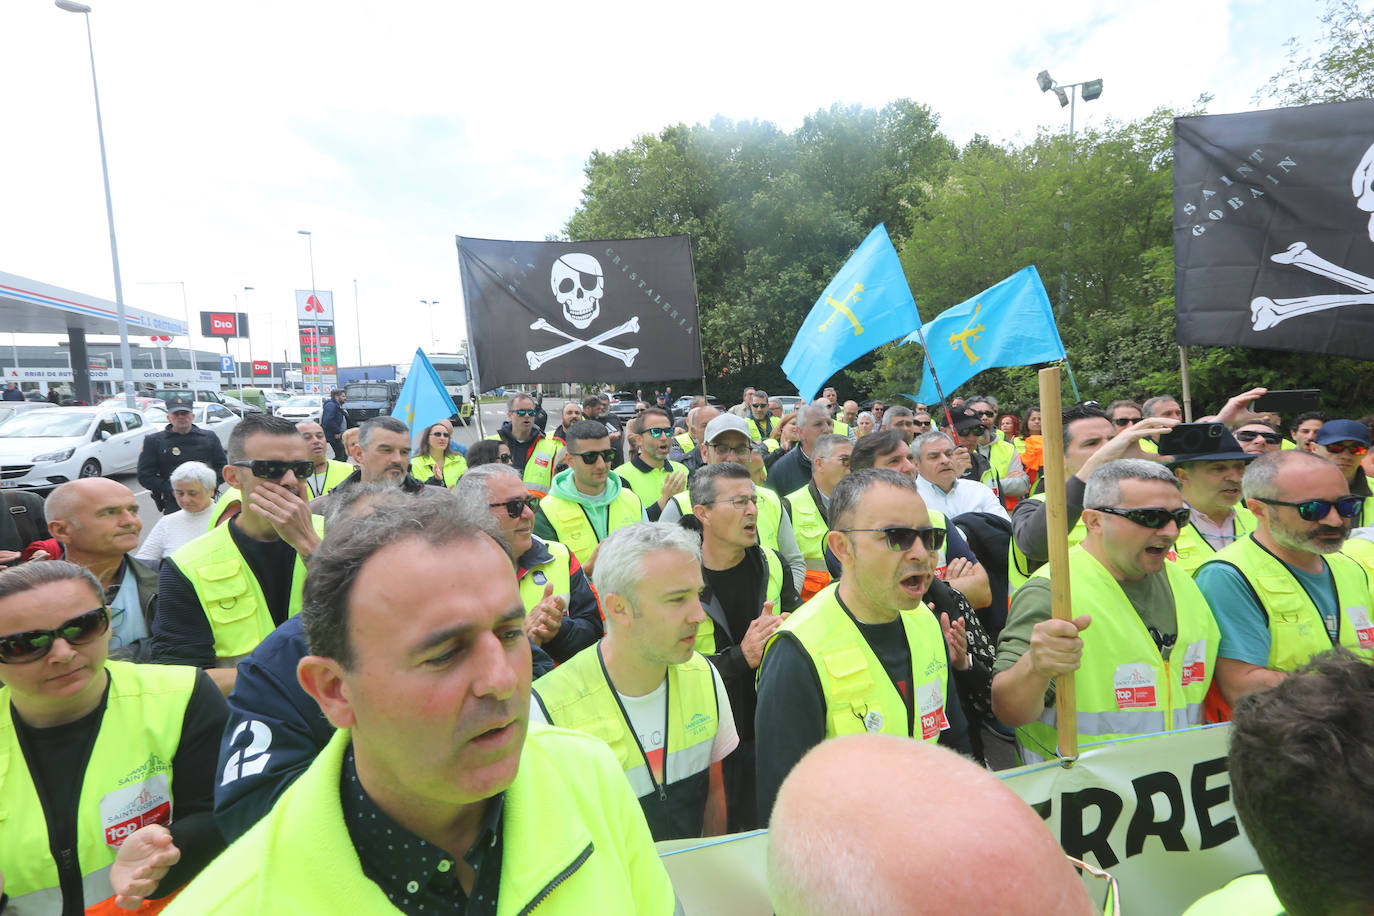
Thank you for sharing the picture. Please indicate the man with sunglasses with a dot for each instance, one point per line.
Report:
(1286, 592)
(654, 479)
(1259, 438)
(864, 655)
(1143, 647)
(1211, 489)
(1124, 413)
(562, 616)
(219, 595)
(110, 766)
(533, 454)
(1344, 443)
(587, 501)
(762, 423)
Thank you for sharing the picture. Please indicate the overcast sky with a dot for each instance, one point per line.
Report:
(388, 128)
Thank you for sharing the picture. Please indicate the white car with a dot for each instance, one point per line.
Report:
(301, 408)
(217, 418)
(43, 448)
(15, 408)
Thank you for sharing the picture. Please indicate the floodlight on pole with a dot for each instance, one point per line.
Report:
(71, 6)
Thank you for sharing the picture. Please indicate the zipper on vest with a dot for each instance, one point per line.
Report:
(562, 876)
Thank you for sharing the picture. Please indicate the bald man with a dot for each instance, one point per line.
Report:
(832, 838)
(96, 521)
(697, 418)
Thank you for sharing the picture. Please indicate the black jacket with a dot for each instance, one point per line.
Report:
(164, 451)
(22, 520)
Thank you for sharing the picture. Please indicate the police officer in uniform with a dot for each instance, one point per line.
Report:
(179, 442)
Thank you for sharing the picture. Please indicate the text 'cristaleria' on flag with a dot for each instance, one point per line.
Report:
(867, 305)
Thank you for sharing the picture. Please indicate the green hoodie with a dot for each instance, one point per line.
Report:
(594, 506)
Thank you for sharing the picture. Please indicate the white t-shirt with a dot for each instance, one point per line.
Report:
(647, 718)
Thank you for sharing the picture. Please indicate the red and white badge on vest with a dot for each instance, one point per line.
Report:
(125, 810)
(541, 459)
(1364, 631)
(1195, 663)
(930, 703)
(1135, 686)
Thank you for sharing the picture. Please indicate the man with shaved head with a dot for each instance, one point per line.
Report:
(96, 521)
(792, 471)
(697, 418)
(328, 473)
(832, 837)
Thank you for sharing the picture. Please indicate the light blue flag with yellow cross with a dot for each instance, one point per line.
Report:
(867, 305)
(423, 399)
(1009, 324)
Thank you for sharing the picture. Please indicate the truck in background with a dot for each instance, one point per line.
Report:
(453, 372)
(380, 373)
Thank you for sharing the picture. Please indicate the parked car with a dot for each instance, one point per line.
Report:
(217, 418)
(302, 407)
(623, 405)
(276, 397)
(684, 403)
(365, 400)
(15, 408)
(238, 406)
(142, 403)
(43, 448)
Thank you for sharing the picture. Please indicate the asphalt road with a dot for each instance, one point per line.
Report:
(493, 415)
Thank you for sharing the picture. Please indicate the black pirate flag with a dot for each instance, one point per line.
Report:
(622, 310)
(1274, 229)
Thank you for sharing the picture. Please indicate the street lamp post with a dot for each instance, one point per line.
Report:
(252, 378)
(1091, 89)
(73, 7)
(429, 309)
(314, 327)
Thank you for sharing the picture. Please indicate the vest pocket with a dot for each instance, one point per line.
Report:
(222, 586)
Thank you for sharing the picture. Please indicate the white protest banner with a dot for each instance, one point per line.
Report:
(1154, 811)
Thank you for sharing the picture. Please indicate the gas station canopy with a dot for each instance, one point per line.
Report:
(30, 307)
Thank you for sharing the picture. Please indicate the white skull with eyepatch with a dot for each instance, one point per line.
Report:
(578, 285)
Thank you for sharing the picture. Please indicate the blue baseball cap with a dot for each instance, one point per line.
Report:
(1342, 431)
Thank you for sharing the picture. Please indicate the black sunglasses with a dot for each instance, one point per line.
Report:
(271, 469)
(1148, 518)
(1123, 422)
(1314, 510)
(506, 459)
(31, 645)
(900, 538)
(440, 432)
(1250, 435)
(608, 454)
(516, 507)
(986, 413)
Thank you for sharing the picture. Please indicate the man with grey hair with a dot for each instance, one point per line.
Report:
(533, 454)
(793, 470)
(415, 628)
(644, 690)
(382, 453)
(1286, 592)
(1009, 478)
(1163, 405)
(939, 483)
(762, 423)
(901, 419)
(1146, 662)
(561, 612)
(746, 404)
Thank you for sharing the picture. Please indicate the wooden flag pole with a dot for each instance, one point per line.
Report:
(1057, 528)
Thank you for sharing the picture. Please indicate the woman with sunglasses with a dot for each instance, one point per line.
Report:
(488, 451)
(436, 465)
(109, 790)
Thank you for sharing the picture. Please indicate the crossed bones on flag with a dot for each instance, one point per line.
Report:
(627, 356)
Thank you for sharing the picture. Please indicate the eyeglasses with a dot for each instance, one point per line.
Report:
(271, 469)
(1123, 422)
(516, 507)
(1314, 510)
(606, 454)
(922, 424)
(1148, 518)
(440, 432)
(986, 413)
(658, 432)
(760, 405)
(1340, 448)
(31, 645)
(740, 450)
(1250, 435)
(901, 538)
(739, 502)
(505, 459)
(525, 412)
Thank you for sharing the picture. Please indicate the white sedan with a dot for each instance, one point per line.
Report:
(301, 408)
(217, 418)
(43, 448)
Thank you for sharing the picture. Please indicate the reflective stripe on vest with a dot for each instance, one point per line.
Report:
(539, 468)
(859, 695)
(127, 785)
(807, 523)
(1019, 565)
(769, 518)
(1125, 687)
(455, 466)
(647, 485)
(574, 529)
(229, 592)
(1192, 549)
(772, 591)
(557, 570)
(1296, 629)
(576, 695)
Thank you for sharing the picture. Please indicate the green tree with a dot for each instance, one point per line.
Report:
(1339, 70)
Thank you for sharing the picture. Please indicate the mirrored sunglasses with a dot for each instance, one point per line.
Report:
(1314, 510)
(31, 645)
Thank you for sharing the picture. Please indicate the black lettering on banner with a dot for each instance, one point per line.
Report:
(1205, 799)
(1143, 821)
(1074, 841)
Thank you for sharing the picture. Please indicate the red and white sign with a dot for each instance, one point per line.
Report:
(1195, 663)
(262, 367)
(161, 340)
(315, 306)
(1135, 686)
(125, 810)
(930, 703)
(223, 323)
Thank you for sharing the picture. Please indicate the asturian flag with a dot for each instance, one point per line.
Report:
(1009, 324)
(423, 399)
(867, 305)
